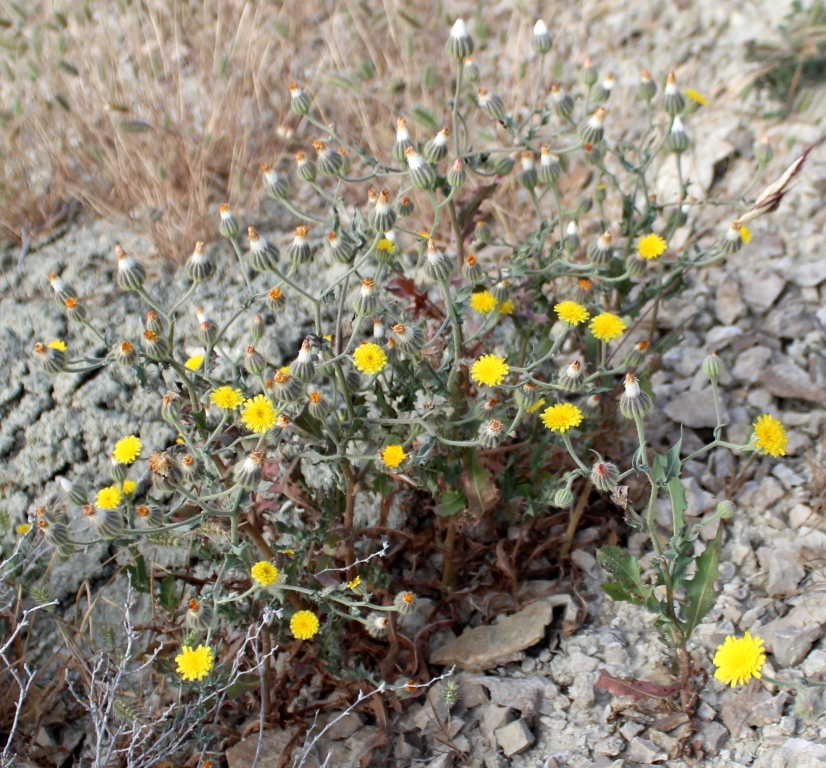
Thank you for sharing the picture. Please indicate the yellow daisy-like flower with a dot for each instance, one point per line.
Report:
(745, 234)
(23, 528)
(304, 625)
(258, 414)
(696, 96)
(607, 327)
(227, 398)
(129, 487)
(536, 406)
(562, 417)
(483, 302)
(770, 436)
(739, 659)
(266, 574)
(127, 449)
(194, 663)
(369, 358)
(354, 583)
(651, 246)
(109, 497)
(58, 344)
(194, 362)
(506, 307)
(386, 246)
(572, 313)
(489, 370)
(393, 455)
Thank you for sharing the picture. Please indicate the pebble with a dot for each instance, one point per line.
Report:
(750, 363)
(760, 291)
(729, 305)
(631, 729)
(713, 736)
(695, 409)
(514, 738)
(790, 381)
(645, 751)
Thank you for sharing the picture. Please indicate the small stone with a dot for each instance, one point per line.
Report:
(494, 717)
(802, 749)
(243, 753)
(790, 381)
(705, 712)
(788, 724)
(790, 645)
(695, 409)
(785, 572)
(514, 738)
(529, 695)
(611, 746)
(344, 727)
(750, 364)
(720, 336)
(631, 729)
(666, 743)
(729, 306)
(486, 647)
(799, 514)
(644, 751)
(712, 737)
(760, 291)
(809, 274)
(670, 722)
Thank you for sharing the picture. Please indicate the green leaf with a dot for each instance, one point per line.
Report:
(452, 503)
(701, 594)
(482, 493)
(139, 575)
(169, 593)
(626, 570)
(672, 459)
(678, 503)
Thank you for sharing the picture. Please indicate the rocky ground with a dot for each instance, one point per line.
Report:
(527, 695)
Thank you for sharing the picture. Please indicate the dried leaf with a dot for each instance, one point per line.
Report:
(636, 689)
(773, 194)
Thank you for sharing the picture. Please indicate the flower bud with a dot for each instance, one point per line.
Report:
(422, 176)
(725, 509)
(62, 291)
(382, 217)
(328, 162)
(199, 266)
(155, 346)
(673, 99)
(340, 249)
(541, 38)
(303, 367)
(305, 168)
(149, 516)
(763, 152)
(275, 299)
(713, 367)
(482, 232)
(563, 102)
(526, 395)
(436, 149)
(377, 624)
(505, 163)
(647, 88)
(124, 353)
(501, 290)
(808, 703)
(471, 270)
(53, 359)
(276, 186)
(592, 130)
(563, 498)
(106, 523)
(634, 403)
(207, 332)
(601, 251)
(636, 356)
(75, 311)
(285, 387)
(491, 433)
(228, 226)
(604, 476)
(117, 471)
(491, 104)
(403, 140)
(318, 406)
(572, 378)
(457, 175)
(459, 44)
(249, 473)
(437, 266)
(199, 614)
(298, 251)
(299, 101)
(589, 72)
(410, 339)
(602, 91)
(571, 240)
(600, 193)
(733, 240)
(257, 328)
(131, 273)
(56, 532)
(677, 141)
(262, 255)
(75, 493)
(550, 170)
(366, 301)
(527, 176)
(406, 207)
(405, 603)
(171, 408)
(471, 70)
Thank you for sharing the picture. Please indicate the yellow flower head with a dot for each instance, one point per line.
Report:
(129, 487)
(127, 449)
(651, 246)
(506, 307)
(696, 97)
(355, 583)
(607, 327)
(489, 370)
(194, 362)
(386, 246)
(23, 528)
(770, 436)
(571, 313)
(738, 660)
(227, 398)
(194, 663)
(536, 406)
(109, 497)
(266, 574)
(562, 417)
(483, 302)
(393, 455)
(258, 414)
(745, 234)
(304, 625)
(57, 344)
(369, 358)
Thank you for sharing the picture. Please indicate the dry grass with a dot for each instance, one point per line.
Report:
(153, 113)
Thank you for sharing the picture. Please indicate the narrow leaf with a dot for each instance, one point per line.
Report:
(701, 594)
(636, 689)
(678, 504)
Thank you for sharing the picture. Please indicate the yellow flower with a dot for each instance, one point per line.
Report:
(304, 625)
(506, 307)
(129, 487)
(23, 528)
(109, 497)
(127, 449)
(696, 96)
(483, 302)
(354, 583)
(745, 234)
(194, 362)
(562, 417)
(607, 327)
(194, 663)
(536, 406)
(770, 436)
(651, 246)
(58, 344)
(489, 370)
(259, 415)
(266, 574)
(572, 313)
(227, 398)
(393, 455)
(386, 246)
(738, 660)
(369, 358)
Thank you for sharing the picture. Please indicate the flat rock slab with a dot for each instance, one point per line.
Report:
(482, 648)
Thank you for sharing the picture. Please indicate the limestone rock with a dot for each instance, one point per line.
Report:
(791, 637)
(514, 738)
(788, 380)
(695, 409)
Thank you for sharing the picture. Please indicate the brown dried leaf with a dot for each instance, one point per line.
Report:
(636, 689)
